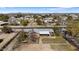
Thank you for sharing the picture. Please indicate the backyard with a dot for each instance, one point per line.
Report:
(47, 44)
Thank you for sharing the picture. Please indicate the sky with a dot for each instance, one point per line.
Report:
(39, 6)
(39, 3)
(39, 10)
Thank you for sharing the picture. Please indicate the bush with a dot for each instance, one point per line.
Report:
(39, 22)
(24, 22)
(6, 29)
(4, 17)
(56, 30)
(22, 36)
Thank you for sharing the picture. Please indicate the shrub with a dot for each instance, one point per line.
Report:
(4, 17)
(24, 22)
(22, 36)
(56, 30)
(6, 29)
(39, 21)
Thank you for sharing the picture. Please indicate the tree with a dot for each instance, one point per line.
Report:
(35, 16)
(56, 30)
(73, 27)
(19, 15)
(6, 29)
(55, 17)
(24, 22)
(34, 36)
(69, 18)
(39, 21)
(22, 36)
(4, 18)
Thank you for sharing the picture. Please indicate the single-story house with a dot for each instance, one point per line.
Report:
(3, 23)
(74, 16)
(48, 20)
(42, 32)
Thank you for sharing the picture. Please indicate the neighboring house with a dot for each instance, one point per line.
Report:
(48, 20)
(74, 16)
(63, 21)
(44, 32)
(56, 22)
(28, 17)
(62, 30)
(3, 23)
(21, 18)
(12, 20)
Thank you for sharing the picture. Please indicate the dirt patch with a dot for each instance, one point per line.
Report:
(34, 47)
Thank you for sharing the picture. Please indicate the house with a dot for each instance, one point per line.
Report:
(56, 22)
(42, 32)
(21, 18)
(12, 20)
(74, 16)
(48, 20)
(3, 23)
(62, 30)
(63, 20)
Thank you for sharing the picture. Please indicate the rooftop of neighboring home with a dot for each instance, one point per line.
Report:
(1, 22)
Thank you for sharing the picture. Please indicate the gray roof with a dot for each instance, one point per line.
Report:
(37, 30)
